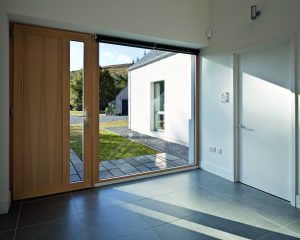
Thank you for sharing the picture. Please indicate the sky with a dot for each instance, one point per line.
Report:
(109, 54)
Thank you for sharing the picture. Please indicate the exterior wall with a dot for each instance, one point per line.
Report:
(96, 17)
(121, 96)
(175, 71)
(232, 30)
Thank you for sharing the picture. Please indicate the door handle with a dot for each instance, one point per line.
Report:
(85, 117)
(246, 128)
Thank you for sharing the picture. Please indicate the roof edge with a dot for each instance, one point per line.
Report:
(155, 59)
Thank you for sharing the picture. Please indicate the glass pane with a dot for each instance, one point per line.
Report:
(142, 129)
(159, 106)
(77, 115)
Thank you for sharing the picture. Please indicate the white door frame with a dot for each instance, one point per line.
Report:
(294, 107)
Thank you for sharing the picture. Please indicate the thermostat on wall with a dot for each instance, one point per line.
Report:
(224, 97)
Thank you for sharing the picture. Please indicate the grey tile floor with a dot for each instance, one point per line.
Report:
(185, 206)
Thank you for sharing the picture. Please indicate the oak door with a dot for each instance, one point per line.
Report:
(44, 154)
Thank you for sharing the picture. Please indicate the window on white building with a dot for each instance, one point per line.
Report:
(159, 106)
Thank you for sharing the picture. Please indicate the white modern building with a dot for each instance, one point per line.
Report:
(160, 96)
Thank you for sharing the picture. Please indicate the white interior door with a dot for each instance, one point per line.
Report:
(266, 118)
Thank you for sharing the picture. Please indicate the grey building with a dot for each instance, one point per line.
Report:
(122, 102)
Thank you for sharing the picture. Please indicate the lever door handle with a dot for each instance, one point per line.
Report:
(85, 117)
(246, 128)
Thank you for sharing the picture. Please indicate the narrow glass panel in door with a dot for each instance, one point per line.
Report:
(77, 113)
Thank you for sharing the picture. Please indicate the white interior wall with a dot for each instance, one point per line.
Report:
(233, 30)
(137, 19)
(175, 71)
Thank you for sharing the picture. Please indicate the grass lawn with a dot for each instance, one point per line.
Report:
(111, 145)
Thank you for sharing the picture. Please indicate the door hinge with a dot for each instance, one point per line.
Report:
(11, 112)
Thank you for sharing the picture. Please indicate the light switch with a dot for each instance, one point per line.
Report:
(224, 97)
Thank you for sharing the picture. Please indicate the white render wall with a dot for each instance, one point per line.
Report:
(232, 30)
(175, 71)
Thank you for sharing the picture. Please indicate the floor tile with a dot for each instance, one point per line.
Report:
(280, 234)
(275, 209)
(171, 231)
(122, 193)
(70, 228)
(229, 226)
(294, 227)
(116, 221)
(156, 211)
(138, 235)
(61, 207)
(7, 235)
(8, 221)
(93, 200)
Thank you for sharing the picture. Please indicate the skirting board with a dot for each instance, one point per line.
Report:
(221, 172)
(298, 201)
(4, 205)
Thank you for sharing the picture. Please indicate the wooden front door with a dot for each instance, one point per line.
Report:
(41, 112)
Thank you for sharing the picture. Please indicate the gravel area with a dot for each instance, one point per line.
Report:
(174, 149)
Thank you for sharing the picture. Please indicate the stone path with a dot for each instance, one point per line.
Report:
(76, 167)
(160, 145)
(126, 166)
(147, 163)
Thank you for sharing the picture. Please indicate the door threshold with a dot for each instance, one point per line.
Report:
(144, 175)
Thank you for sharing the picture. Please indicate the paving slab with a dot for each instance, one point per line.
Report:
(117, 161)
(105, 174)
(127, 168)
(143, 159)
(108, 165)
(75, 178)
(152, 165)
(180, 163)
(133, 162)
(102, 168)
(116, 172)
(143, 168)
